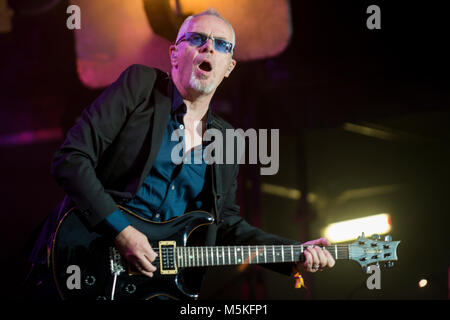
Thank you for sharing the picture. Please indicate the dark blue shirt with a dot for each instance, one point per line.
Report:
(170, 189)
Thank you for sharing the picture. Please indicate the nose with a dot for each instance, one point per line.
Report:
(208, 46)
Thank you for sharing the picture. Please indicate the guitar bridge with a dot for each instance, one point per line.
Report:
(115, 261)
(167, 257)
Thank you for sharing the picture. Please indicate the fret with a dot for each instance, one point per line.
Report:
(196, 261)
(265, 254)
(292, 253)
(229, 255)
(252, 259)
(186, 250)
(336, 252)
(183, 250)
(257, 254)
(249, 259)
(223, 255)
(187, 257)
(212, 256)
(186, 263)
(248, 256)
(235, 256)
(282, 253)
(199, 256)
(273, 253)
(217, 256)
(239, 260)
(242, 255)
(201, 250)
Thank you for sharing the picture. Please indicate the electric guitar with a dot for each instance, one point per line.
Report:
(86, 265)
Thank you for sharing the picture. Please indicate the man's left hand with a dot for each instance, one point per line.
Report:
(316, 258)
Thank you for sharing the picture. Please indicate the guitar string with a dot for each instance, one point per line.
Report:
(268, 250)
(195, 256)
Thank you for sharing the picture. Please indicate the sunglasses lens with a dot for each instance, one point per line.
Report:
(222, 45)
(197, 39)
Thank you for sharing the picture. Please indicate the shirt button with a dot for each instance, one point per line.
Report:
(157, 215)
(181, 126)
(173, 187)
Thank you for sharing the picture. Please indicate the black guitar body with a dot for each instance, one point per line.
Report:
(74, 246)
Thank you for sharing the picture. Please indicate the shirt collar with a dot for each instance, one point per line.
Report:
(179, 107)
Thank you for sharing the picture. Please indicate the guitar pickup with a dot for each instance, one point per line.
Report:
(167, 262)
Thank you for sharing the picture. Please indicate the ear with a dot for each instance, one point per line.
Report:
(173, 55)
(230, 68)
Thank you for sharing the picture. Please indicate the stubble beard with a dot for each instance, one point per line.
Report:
(200, 87)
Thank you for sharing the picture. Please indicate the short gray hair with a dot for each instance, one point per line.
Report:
(209, 12)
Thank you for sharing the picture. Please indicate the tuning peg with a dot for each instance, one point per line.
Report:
(388, 238)
(376, 237)
(389, 264)
(362, 236)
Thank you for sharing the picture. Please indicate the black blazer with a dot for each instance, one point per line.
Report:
(109, 152)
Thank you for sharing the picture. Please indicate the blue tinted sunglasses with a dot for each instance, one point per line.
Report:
(199, 39)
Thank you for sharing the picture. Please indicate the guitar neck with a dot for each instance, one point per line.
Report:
(235, 255)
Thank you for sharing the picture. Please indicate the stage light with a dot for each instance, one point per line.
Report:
(351, 229)
(423, 283)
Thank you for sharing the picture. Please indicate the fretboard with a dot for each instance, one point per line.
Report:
(234, 255)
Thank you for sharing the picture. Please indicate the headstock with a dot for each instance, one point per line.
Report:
(373, 251)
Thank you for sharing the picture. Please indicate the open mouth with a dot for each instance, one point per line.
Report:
(205, 66)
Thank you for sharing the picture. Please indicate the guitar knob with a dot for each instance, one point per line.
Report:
(90, 280)
(376, 237)
(130, 288)
(388, 238)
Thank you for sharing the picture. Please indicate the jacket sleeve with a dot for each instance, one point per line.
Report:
(74, 164)
(234, 230)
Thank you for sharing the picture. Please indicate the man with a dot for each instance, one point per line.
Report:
(119, 152)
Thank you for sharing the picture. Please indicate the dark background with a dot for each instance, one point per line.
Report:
(334, 71)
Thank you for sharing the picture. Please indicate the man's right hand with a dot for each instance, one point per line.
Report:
(134, 246)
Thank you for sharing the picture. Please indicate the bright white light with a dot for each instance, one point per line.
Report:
(423, 283)
(351, 229)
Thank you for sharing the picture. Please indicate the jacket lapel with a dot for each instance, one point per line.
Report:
(216, 174)
(159, 123)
